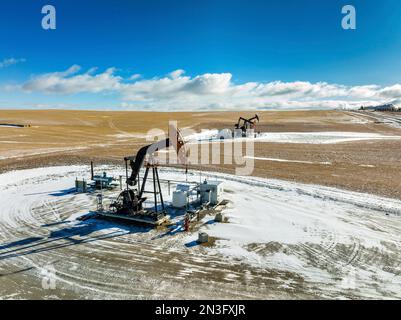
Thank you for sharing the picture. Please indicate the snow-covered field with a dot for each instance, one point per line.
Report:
(299, 137)
(286, 160)
(283, 240)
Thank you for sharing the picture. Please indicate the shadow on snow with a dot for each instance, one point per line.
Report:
(80, 233)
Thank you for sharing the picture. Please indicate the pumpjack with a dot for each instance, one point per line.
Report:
(129, 205)
(245, 124)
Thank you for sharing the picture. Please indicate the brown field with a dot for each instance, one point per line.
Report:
(57, 137)
(131, 262)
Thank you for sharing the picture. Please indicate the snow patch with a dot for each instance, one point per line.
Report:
(297, 137)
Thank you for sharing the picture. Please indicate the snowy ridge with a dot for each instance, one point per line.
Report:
(295, 137)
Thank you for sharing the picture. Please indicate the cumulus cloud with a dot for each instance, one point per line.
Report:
(135, 76)
(391, 92)
(218, 91)
(177, 73)
(69, 82)
(10, 61)
(177, 91)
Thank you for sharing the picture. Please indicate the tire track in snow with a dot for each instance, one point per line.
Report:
(138, 264)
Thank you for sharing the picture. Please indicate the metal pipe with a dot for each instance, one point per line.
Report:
(139, 183)
(160, 190)
(126, 172)
(179, 181)
(154, 188)
(144, 182)
(92, 174)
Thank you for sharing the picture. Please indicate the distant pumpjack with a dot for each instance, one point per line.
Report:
(245, 124)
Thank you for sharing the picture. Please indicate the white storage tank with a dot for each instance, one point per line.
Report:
(237, 133)
(210, 191)
(250, 133)
(179, 199)
(225, 134)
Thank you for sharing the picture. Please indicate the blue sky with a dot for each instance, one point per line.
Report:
(235, 53)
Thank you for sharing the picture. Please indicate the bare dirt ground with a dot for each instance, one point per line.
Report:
(75, 137)
(343, 237)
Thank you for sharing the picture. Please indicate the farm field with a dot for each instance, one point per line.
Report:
(318, 218)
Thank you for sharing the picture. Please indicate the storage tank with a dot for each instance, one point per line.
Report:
(210, 191)
(179, 199)
(225, 134)
(250, 133)
(237, 133)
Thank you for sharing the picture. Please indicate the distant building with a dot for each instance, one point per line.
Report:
(384, 107)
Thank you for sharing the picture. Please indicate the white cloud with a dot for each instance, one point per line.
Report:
(69, 82)
(176, 91)
(176, 74)
(218, 91)
(10, 61)
(135, 76)
(209, 84)
(391, 92)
